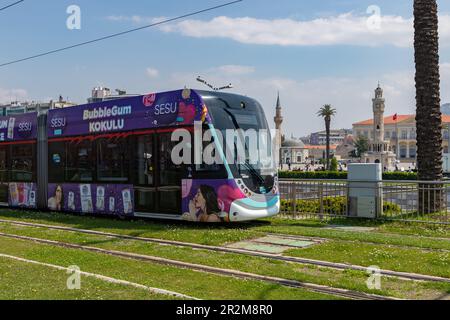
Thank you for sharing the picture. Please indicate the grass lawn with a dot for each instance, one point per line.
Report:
(193, 283)
(393, 233)
(20, 280)
(423, 236)
(354, 280)
(386, 257)
(179, 231)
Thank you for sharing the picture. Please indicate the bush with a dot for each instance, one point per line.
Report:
(390, 207)
(342, 175)
(334, 165)
(400, 176)
(312, 175)
(331, 205)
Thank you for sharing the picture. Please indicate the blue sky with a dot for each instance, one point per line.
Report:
(313, 52)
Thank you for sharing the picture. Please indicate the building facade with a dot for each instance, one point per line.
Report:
(345, 149)
(293, 153)
(336, 137)
(400, 131)
(317, 153)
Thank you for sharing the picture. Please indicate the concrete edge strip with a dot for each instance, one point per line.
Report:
(102, 277)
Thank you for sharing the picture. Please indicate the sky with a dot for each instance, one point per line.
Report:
(311, 52)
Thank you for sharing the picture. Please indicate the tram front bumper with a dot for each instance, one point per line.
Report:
(246, 209)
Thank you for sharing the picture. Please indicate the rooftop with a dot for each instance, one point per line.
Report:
(310, 147)
(400, 119)
(291, 143)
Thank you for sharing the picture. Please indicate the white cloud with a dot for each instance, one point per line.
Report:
(445, 68)
(445, 82)
(136, 19)
(234, 70)
(8, 95)
(351, 96)
(344, 29)
(152, 72)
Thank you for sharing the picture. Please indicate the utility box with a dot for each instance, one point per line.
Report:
(365, 194)
(446, 162)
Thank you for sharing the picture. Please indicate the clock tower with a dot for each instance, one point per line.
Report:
(378, 115)
(379, 149)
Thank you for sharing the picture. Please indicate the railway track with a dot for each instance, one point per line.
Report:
(102, 278)
(320, 263)
(344, 293)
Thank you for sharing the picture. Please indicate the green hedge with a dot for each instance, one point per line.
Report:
(400, 176)
(331, 205)
(312, 175)
(342, 175)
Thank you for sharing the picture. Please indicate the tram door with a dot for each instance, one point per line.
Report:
(145, 170)
(169, 182)
(3, 175)
(157, 180)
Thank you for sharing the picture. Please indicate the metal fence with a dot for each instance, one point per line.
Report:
(413, 201)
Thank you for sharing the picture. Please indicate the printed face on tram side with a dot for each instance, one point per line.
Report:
(208, 200)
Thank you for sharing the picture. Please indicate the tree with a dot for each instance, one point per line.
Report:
(428, 113)
(327, 112)
(334, 164)
(361, 146)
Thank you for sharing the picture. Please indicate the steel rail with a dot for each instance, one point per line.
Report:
(327, 264)
(355, 295)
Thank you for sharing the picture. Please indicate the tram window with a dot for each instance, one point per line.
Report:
(80, 163)
(170, 174)
(56, 161)
(212, 171)
(113, 160)
(144, 161)
(215, 167)
(4, 170)
(144, 200)
(22, 163)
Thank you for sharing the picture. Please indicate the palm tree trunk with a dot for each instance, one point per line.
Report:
(327, 127)
(428, 114)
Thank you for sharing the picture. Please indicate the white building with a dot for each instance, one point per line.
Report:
(17, 107)
(336, 137)
(100, 94)
(293, 153)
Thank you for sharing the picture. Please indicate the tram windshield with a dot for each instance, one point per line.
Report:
(247, 136)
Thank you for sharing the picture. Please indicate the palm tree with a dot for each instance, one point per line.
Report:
(326, 112)
(361, 146)
(428, 113)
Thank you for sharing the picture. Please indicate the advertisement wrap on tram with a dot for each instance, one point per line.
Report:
(116, 158)
(18, 137)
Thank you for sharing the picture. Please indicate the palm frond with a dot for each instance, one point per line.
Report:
(326, 111)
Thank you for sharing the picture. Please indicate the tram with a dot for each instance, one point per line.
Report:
(137, 157)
